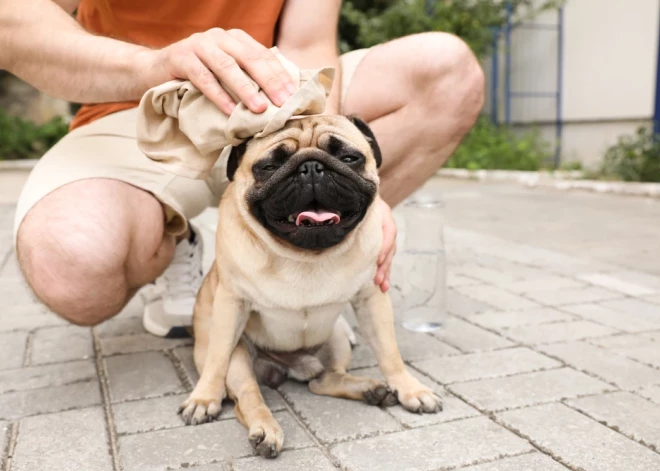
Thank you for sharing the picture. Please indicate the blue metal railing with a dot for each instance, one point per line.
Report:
(510, 94)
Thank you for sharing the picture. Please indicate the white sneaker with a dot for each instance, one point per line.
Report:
(170, 300)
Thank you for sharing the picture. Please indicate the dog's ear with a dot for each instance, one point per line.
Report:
(368, 133)
(234, 159)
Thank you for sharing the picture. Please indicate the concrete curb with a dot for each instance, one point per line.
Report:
(559, 180)
(25, 164)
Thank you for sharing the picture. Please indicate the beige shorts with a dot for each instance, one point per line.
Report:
(107, 148)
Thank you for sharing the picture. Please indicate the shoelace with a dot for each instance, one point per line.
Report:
(182, 277)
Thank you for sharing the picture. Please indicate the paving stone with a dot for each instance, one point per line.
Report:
(11, 268)
(604, 363)
(63, 441)
(470, 338)
(497, 297)
(485, 365)
(636, 309)
(332, 419)
(527, 462)
(127, 322)
(211, 467)
(185, 355)
(141, 376)
(464, 306)
(631, 415)
(441, 446)
(545, 283)
(15, 292)
(556, 332)
(140, 343)
(454, 279)
(65, 343)
(616, 284)
(46, 376)
(452, 407)
(186, 446)
(4, 437)
(640, 348)
(652, 393)
(412, 345)
(653, 299)
(46, 400)
(28, 317)
(12, 349)
(161, 413)
(487, 275)
(631, 321)
(579, 441)
(573, 296)
(495, 319)
(309, 459)
(528, 389)
(637, 277)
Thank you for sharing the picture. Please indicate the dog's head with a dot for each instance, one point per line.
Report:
(310, 184)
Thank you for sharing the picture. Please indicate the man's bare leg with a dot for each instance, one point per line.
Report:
(420, 94)
(86, 248)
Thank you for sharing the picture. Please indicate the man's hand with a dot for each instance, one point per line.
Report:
(205, 58)
(388, 250)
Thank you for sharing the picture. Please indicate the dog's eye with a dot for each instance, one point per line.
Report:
(350, 159)
(269, 168)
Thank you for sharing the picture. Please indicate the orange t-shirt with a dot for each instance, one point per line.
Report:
(159, 23)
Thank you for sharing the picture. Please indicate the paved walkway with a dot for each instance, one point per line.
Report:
(550, 360)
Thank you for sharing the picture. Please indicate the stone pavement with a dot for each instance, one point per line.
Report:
(549, 360)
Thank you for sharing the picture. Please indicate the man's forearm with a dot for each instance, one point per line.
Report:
(45, 46)
(315, 56)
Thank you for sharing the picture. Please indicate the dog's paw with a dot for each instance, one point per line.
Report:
(267, 439)
(380, 395)
(199, 411)
(415, 397)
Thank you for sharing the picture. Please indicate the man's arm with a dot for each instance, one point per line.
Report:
(308, 37)
(42, 44)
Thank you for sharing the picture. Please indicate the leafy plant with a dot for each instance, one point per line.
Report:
(23, 139)
(634, 158)
(365, 23)
(488, 146)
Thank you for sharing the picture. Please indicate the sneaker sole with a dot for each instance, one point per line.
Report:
(159, 330)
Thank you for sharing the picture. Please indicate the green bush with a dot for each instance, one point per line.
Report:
(634, 158)
(23, 139)
(496, 147)
(365, 23)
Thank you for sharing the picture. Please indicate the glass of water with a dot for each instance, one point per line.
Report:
(419, 278)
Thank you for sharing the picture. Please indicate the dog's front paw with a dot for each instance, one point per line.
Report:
(266, 438)
(198, 409)
(415, 397)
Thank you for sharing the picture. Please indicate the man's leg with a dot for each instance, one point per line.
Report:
(420, 94)
(87, 247)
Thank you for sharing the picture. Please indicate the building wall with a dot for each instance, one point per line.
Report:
(609, 73)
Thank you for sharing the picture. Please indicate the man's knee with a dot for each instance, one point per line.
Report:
(449, 75)
(73, 251)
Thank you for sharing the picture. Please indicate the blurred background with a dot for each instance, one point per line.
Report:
(571, 84)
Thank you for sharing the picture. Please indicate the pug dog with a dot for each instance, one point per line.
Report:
(299, 233)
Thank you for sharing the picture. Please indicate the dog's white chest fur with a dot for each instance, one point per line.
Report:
(294, 304)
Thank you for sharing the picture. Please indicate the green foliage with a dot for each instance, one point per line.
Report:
(23, 139)
(365, 23)
(496, 147)
(634, 158)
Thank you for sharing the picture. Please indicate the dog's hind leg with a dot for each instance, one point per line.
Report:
(336, 357)
(265, 434)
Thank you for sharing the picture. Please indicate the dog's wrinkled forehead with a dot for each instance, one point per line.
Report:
(332, 134)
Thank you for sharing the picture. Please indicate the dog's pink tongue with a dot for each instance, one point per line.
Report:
(317, 217)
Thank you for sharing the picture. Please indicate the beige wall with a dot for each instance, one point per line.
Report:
(609, 73)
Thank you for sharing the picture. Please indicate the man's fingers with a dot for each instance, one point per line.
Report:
(278, 80)
(256, 60)
(207, 83)
(225, 67)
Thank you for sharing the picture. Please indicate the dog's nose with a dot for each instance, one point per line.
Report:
(311, 169)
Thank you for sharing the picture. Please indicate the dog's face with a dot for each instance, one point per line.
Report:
(310, 184)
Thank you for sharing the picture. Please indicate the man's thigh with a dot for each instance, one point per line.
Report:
(107, 148)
